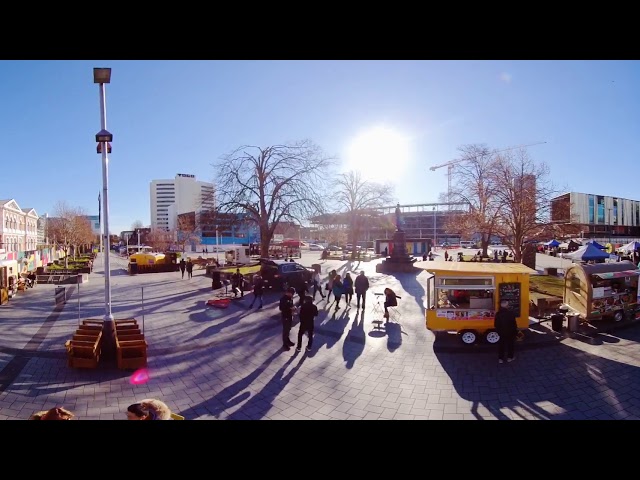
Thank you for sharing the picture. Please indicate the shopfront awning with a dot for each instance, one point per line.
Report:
(608, 275)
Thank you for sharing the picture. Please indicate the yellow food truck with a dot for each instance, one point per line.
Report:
(462, 297)
(602, 290)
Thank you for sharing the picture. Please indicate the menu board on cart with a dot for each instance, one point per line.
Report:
(511, 293)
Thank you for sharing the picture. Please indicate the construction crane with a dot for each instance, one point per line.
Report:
(452, 163)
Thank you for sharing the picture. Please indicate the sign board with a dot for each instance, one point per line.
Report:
(511, 293)
(278, 237)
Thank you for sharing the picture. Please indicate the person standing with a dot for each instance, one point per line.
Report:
(189, 268)
(308, 312)
(183, 266)
(237, 283)
(362, 285)
(286, 308)
(348, 288)
(507, 327)
(317, 285)
(258, 290)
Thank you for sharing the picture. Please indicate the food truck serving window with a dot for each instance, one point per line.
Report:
(468, 283)
(465, 293)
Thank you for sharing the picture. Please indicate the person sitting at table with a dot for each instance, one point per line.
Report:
(390, 300)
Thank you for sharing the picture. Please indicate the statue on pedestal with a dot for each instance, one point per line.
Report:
(398, 220)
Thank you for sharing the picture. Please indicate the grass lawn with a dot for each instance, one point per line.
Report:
(547, 284)
(243, 270)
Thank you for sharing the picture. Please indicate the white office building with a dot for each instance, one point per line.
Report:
(183, 194)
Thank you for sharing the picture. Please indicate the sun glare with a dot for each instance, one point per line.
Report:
(379, 154)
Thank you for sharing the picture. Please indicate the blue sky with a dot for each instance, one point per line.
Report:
(171, 117)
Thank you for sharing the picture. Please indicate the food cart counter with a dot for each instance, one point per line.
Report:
(462, 297)
(602, 290)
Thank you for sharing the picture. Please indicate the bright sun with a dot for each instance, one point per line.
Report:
(380, 154)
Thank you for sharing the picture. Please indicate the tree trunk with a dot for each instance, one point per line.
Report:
(485, 246)
(265, 240)
(66, 258)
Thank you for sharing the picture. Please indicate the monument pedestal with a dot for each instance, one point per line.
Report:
(399, 260)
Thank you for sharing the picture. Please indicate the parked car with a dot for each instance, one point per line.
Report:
(314, 247)
(279, 274)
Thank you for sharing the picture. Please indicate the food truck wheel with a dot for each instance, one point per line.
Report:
(491, 336)
(618, 316)
(468, 337)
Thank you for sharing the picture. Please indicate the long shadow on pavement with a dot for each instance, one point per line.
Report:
(354, 343)
(231, 395)
(561, 382)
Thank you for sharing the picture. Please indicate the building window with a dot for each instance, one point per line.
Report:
(601, 210)
(614, 220)
(591, 209)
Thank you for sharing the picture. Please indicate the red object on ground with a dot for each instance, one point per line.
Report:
(219, 302)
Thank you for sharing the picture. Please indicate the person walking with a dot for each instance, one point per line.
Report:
(338, 290)
(183, 266)
(348, 288)
(308, 312)
(507, 327)
(189, 268)
(332, 276)
(317, 285)
(286, 308)
(258, 290)
(362, 285)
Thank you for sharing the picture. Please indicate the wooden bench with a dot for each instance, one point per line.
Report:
(131, 347)
(131, 354)
(83, 354)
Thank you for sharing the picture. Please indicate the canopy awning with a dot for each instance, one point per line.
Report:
(608, 275)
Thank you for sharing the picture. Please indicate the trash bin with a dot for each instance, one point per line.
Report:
(215, 280)
(574, 322)
(557, 321)
(60, 295)
(133, 268)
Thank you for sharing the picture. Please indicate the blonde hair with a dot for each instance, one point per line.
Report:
(158, 410)
(57, 413)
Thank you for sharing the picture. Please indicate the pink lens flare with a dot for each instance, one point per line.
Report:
(139, 377)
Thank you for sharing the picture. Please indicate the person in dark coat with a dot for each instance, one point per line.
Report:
(308, 312)
(362, 285)
(258, 290)
(183, 266)
(507, 327)
(390, 300)
(189, 268)
(237, 283)
(286, 308)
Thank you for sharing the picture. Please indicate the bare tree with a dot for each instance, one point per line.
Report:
(160, 240)
(186, 229)
(358, 199)
(524, 193)
(69, 228)
(474, 184)
(137, 224)
(273, 184)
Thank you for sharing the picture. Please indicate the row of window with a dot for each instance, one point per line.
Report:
(597, 210)
(12, 222)
(14, 245)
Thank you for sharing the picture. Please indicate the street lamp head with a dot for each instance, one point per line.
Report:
(104, 136)
(99, 148)
(101, 75)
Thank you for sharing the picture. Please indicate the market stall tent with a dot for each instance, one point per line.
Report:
(596, 244)
(552, 243)
(587, 253)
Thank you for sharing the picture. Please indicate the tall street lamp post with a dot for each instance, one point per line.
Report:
(435, 240)
(102, 76)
